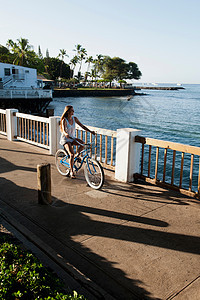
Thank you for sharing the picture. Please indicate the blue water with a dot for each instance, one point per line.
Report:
(161, 114)
(167, 115)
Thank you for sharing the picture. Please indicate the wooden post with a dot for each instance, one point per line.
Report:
(44, 184)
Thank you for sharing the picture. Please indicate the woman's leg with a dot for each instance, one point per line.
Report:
(69, 148)
(77, 142)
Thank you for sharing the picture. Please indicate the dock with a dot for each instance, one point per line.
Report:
(126, 241)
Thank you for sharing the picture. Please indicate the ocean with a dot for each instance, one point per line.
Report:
(161, 114)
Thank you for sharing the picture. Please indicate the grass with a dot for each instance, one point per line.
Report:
(23, 276)
(86, 89)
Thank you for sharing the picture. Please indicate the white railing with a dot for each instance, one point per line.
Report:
(105, 142)
(116, 150)
(33, 129)
(25, 93)
(3, 122)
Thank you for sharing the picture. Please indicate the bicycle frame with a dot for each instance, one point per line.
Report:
(84, 158)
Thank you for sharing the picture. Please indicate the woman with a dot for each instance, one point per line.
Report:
(68, 139)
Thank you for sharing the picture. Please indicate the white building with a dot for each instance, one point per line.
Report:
(19, 88)
(13, 76)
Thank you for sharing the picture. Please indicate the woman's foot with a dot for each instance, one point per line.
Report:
(72, 175)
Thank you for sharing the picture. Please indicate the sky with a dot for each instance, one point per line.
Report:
(161, 37)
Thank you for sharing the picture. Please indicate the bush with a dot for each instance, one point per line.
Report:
(22, 276)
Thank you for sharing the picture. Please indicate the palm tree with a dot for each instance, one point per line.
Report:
(100, 63)
(20, 49)
(78, 48)
(82, 56)
(62, 54)
(88, 60)
(74, 62)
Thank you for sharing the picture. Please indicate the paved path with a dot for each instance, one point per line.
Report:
(135, 241)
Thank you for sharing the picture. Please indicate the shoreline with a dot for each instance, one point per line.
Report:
(171, 88)
(59, 93)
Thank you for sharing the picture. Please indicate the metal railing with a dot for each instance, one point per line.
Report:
(7, 80)
(3, 122)
(105, 140)
(169, 169)
(33, 129)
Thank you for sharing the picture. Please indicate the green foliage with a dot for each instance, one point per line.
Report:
(100, 67)
(22, 276)
(53, 67)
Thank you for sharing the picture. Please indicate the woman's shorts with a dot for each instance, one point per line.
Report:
(65, 140)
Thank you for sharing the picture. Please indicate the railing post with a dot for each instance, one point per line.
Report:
(11, 123)
(54, 134)
(127, 154)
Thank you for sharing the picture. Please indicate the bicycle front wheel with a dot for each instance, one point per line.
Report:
(62, 162)
(94, 173)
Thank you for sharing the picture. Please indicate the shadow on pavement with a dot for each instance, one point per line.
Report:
(65, 221)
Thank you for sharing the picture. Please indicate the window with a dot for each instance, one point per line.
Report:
(27, 71)
(15, 71)
(7, 72)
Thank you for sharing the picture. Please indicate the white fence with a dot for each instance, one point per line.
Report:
(25, 93)
(116, 150)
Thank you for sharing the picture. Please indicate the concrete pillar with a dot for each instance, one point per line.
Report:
(11, 123)
(127, 154)
(54, 134)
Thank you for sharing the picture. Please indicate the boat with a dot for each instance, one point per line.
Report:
(20, 88)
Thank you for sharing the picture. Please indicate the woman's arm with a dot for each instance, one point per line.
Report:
(64, 128)
(83, 126)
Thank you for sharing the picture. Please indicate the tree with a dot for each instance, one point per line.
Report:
(133, 71)
(34, 61)
(20, 49)
(80, 56)
(5, 55)
(47, 53)
(40, 52)
(88, 60)
(53, 66)
(78, 48)
(73, 63)
(117, 69)
(100, 64)
(62, 54)
(4, 50)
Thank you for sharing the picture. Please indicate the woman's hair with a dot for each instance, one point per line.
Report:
(65, 114)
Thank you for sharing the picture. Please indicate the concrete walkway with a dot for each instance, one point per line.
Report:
(135, 241)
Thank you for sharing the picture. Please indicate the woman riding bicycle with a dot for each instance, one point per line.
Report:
(68, 139)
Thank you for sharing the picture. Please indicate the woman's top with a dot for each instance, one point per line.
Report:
(70, 129)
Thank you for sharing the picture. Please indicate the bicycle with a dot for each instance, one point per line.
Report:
(93, 170)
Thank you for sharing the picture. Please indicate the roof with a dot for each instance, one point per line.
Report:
(41, 77)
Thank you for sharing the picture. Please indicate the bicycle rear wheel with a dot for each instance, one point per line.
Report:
(94, 173)
(62, 162)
